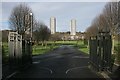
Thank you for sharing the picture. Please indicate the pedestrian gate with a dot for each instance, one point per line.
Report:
(100, 51)
(20, 51)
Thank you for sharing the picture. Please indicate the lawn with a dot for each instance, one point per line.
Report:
(39, 49)
(85, 50)
(83, 47)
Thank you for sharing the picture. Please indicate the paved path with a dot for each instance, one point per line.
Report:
(63, 62)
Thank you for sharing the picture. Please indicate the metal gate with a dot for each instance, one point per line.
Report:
(100, 51)
(20, 51)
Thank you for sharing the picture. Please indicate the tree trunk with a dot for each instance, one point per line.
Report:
(117, 54)
(54, 43)
(113, 43)
(45, 44)
(77, 43)
(88, 44)
(42, 43)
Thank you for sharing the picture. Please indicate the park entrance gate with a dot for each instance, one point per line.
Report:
(100, 51)
(20, 51)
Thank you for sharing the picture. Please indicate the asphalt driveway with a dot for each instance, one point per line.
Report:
(63, 62)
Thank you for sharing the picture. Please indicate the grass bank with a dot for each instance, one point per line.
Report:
(39, 49)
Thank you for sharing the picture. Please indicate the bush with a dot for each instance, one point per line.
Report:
(4, 53)
(117, 51)
(113, 59)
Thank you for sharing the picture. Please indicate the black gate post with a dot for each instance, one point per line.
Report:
(93, 52)
(99, 50)
(107, 46)
(26, 52)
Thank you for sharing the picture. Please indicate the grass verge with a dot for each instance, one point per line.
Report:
(38, 49)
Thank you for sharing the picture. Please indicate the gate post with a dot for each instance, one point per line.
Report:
(100, 50)
(93, 52)
(19, 49)
(11, 45)
(107, 46)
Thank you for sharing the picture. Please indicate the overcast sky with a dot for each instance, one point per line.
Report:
(83, 12)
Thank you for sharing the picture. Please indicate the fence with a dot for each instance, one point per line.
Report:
(100, 51)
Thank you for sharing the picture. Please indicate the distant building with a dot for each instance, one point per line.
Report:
(73, 27)
(53, 25)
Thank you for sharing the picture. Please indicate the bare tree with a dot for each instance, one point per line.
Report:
(118, 26)
(36, 29)
(93, 29)
(55, 37)
(41, 32)
(109, 20)
(110, 13)
(20, 19)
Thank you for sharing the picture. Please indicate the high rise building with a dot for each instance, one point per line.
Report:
(73, 27)
(53, 25)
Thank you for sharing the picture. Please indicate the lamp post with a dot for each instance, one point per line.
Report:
(31, 30)
(31, 16)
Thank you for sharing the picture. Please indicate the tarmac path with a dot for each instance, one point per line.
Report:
(63, 62)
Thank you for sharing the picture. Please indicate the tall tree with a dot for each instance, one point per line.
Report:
(55, 37)
(109, 20)
(41, 33)
(93, 29)
(110, 13)
(20, 19)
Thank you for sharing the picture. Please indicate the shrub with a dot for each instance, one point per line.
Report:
(117, 51)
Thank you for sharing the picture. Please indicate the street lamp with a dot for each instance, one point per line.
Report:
(31, 16)
(31, 19)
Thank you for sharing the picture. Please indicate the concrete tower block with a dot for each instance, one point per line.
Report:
(53, 25)
(73, 27)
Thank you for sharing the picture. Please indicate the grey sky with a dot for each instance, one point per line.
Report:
(83, 12)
